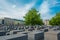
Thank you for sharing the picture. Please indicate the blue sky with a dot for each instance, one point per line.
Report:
(18, 8)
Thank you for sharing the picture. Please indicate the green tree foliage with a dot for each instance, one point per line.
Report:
(33, 18)
(55, 20)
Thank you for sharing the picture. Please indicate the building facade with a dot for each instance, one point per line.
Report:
(10, 21)
(46, 22)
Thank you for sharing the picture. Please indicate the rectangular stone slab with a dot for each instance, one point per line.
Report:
(36, 35)
(52, 35)
(15, 37)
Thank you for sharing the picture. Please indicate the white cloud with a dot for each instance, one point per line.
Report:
(44, 7)
(53, 3)
(13, 6)
(13, 11)
(44, 10)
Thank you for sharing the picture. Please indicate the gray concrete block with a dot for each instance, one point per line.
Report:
(36, 35)
(15, 37)
(52, 35)
(45, 30)
(2, 33)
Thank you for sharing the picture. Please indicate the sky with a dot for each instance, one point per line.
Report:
(18, 8)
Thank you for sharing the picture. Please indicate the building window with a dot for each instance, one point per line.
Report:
(2, 21)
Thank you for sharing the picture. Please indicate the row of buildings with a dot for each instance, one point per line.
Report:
(10, 21)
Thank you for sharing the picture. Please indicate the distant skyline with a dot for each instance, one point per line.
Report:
(18, 8)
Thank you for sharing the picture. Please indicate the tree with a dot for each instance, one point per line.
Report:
(55, 20)
(33, 18)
